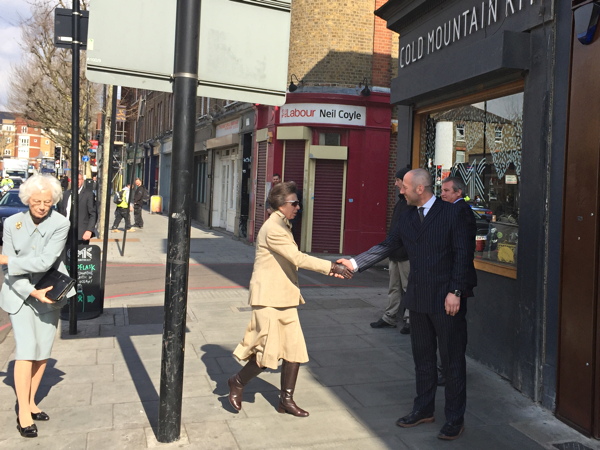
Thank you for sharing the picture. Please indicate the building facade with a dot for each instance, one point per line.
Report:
(26, 140)
(484, 92)
(348, 153)
(335, 134)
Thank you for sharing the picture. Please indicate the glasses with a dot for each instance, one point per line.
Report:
(293, 202)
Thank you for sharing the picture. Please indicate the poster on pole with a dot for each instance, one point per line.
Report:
(243, 55)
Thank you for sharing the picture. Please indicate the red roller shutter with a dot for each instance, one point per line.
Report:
(293, 170)
(327, 212)
(261, 165)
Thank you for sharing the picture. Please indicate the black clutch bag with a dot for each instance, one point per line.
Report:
(61, 284)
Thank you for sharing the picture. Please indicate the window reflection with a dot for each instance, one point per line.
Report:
(481, 143)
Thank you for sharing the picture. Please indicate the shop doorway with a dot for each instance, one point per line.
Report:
(260, 210)
(327, 224)
(225, 201)
(578, 384)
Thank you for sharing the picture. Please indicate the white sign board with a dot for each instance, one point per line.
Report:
(227, 128)
(244, 47)
(323, 113)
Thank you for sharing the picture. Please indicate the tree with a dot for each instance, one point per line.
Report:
(41, 84)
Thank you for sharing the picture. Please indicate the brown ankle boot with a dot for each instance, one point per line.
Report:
(239, 380)
(289, 375)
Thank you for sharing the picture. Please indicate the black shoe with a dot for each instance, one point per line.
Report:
(382, 324)
(415, 418)
(452, 430)
(40, 416)
(405, 329)
(29, 432)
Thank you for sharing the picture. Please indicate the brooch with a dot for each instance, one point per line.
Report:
(19, 225)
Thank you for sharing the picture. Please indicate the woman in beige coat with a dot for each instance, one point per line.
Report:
(274, 330)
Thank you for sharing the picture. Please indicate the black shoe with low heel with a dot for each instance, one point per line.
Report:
(29, 432)
(40, 416)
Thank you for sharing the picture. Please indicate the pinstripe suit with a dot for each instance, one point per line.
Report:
(440, 252)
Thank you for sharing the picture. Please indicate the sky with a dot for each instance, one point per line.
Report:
(10, 33)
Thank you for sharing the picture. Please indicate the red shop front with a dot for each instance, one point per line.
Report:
(337, 150)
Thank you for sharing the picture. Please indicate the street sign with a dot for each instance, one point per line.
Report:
(63, 28)
(244, 47)
(85, 158)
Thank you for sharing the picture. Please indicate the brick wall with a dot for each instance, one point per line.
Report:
(332, 43)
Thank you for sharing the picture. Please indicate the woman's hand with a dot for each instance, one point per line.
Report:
(3, 259)
(340, 271)
(40, 295)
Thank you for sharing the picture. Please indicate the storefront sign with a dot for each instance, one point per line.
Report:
(231, 127)
(483, 15)
(323, 113)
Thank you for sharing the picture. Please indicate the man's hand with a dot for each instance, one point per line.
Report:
(40, 295)
(86, 236)
(347, 263)
(340, 271)
(452, 304)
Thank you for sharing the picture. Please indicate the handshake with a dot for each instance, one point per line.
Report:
(340, 271)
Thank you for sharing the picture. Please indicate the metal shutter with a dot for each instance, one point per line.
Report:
(327, 216)
(293, 170)
(260, 210)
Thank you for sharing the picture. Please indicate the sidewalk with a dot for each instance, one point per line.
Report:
(101, 388)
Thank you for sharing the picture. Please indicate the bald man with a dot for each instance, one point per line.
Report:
(442, 276)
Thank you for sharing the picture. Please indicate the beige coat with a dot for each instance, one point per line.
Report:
(275, 276)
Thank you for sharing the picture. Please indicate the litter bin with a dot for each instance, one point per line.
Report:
(156, 204)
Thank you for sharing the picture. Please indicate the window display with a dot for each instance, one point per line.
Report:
(481, 143)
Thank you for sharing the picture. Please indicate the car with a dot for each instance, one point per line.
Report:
(486, 213)
(10, 204)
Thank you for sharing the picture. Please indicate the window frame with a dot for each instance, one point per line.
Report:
(419, 118)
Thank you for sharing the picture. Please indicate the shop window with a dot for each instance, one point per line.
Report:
(330, 139)
(485, 152)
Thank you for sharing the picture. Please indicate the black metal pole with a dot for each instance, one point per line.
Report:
(113, 121)
(178, 251)
(74, 213)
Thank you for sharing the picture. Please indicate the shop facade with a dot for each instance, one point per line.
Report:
(222, 161)
(336, 148)
(481, 95)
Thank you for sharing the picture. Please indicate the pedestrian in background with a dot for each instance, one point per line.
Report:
(399, 268)
(33, 243)
(140, 196)
(122, 211)
(274, 331)
(86, 210)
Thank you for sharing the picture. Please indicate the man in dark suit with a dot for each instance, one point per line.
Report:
(440, 250)
(86, 211)
(453, 191)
